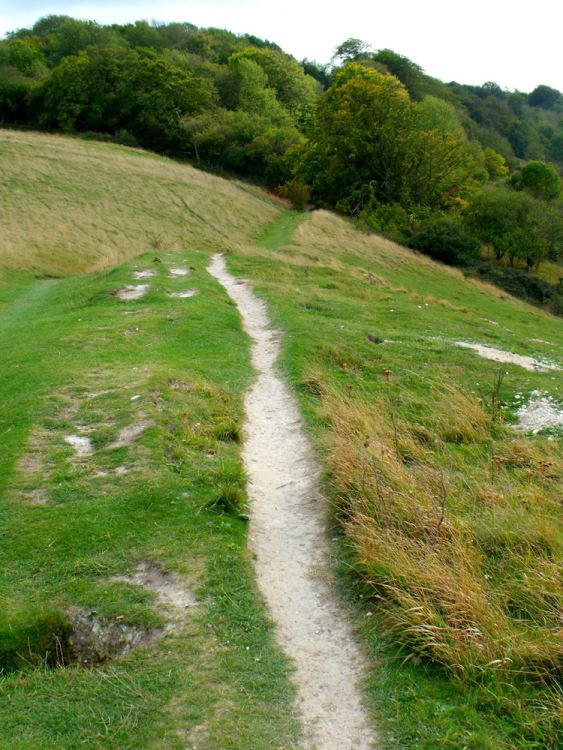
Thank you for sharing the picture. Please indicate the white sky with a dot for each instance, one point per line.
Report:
(514, 43)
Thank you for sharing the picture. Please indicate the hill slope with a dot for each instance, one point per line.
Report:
(67, 210)
(446, 515)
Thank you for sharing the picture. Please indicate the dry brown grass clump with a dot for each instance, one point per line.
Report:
(466, 583)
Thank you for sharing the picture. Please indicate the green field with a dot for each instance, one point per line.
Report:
(447, 517)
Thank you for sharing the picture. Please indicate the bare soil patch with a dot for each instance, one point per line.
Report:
(167, 587)
(93, 640)
(37, 496)
(498, 355)
(81, 444)
(183, 295)
(129, 434)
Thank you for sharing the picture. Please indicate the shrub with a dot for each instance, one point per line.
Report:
(298, 192)
(447, 240)
(13, 103)
(391, 220)
(523, 285)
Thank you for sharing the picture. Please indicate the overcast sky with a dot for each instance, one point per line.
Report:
(515, 43)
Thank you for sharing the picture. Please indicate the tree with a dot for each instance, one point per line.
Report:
(72, 37)
(244, 142)
(364, 133)
(495, 163)
(448, 241)
(360, 126)
(545, 97)
(254, 94)
(350, 50)
(317, 71)
(409, 73)
(22, 54)
(295, 90)
(490, 88)
(108, 90)
(436, 114)
(142, 34)
(540, 179)
(513, 223)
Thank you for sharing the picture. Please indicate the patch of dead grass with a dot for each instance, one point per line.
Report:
(430, 562)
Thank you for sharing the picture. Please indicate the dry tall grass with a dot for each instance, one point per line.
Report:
(462, 568)
(317, 239)
(70, 206)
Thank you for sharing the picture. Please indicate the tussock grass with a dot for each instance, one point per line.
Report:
(426, 555)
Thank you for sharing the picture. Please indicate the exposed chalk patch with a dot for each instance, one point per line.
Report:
(148, 274)
(166, 586)
(81, 444)
(132, 292)
(183, 295)
(498, 355)
(120, 471)
(539, 413)
(179, 272)
(129, 434)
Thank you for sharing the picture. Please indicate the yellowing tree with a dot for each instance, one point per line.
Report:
(365, 139)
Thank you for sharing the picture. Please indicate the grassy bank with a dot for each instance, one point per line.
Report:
(154, 386)
(449, 517)
(70, 205)
(79, 361)
(446, 516)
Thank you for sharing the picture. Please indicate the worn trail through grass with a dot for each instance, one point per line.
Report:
(288, 537)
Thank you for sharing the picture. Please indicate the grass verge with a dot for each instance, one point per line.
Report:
(451, 538)
(154, 388)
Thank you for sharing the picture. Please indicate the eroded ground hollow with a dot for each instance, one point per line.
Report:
(80, 636)
(77, 636)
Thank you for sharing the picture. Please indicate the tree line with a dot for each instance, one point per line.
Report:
(446, 168)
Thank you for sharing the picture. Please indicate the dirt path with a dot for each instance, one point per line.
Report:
(288, 537)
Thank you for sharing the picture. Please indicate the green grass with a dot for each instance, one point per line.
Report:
(389, 421)
(73, 359)
(392, 406)
(280, 231)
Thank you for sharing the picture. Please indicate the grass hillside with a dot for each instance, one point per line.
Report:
(67, 210)
(446, 516)
(450, 517)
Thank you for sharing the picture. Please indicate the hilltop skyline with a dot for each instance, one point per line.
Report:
(488, 43)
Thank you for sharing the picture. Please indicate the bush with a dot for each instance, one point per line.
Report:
(297, 192)
(447, 240)
(391, 220)
(13, 103)
(523, 285)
